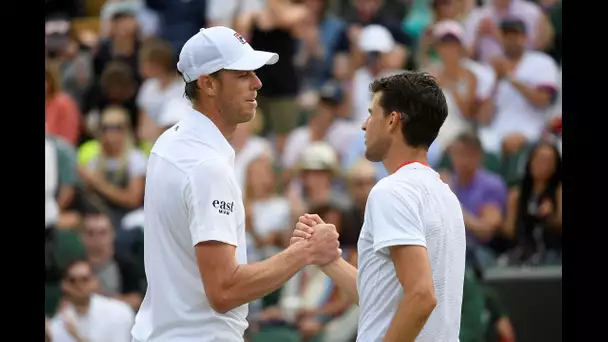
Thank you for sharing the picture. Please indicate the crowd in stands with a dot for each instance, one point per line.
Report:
(112, 89)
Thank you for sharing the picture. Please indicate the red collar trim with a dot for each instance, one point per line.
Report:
(411, 162)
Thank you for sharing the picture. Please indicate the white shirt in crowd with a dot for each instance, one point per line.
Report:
(254, 148)
(192, 196)
(514, 113)
(269, 216)
(108, 319)
(152, 98)
(411, 207)
(51, 180)
(340, 136)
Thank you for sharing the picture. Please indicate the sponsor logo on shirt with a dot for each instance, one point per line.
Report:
(223, 207)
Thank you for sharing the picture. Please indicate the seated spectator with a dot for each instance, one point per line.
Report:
(459, 84)
(62, 115)
(323, 125)
(483, 36)
(88, 316)
(483, 196)
(162, 84)
(114, 177)
(527, 86)
(268, 215)
(534, 217)
(318, 180)
(118, 274)
(361, 178)
(117, 86)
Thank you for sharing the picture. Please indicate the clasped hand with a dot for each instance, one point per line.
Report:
(321, 239)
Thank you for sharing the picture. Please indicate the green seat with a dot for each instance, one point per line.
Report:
(276, 334)
(473, 323)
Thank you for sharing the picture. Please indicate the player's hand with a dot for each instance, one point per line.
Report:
(304, 228)
(323, 245)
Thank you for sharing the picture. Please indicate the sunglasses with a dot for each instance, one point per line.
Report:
(110, 128)
(82, 279)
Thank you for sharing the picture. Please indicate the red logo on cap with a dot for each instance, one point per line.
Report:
(240, 38)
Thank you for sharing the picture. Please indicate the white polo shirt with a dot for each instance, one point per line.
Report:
(192, 196)
(411, 207)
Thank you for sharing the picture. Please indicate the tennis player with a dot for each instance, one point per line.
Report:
(199, 282)
(412, 244)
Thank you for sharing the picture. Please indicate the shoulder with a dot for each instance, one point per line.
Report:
(535, 58)
(494, 181)
(211, 170)
(115, 308)
(530, 7)
(148, 86)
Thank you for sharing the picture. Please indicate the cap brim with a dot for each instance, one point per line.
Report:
(254, 60)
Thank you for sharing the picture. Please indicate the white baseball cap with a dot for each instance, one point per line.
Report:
(376, 38)
(448, 28)
(216, 48)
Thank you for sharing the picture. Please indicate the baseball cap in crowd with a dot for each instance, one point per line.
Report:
(216, 48)
(117, 10)
(515, 25)
(319, 156)
(57, 34)
(376, 38)
(448, 30)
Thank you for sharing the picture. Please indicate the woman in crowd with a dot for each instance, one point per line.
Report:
(62, 114)
(534, 214)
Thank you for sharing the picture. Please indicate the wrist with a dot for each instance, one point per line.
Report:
(302, 253)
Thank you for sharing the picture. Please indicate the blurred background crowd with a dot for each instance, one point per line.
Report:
(112, 89)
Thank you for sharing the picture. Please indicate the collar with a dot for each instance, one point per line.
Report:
(207, 132)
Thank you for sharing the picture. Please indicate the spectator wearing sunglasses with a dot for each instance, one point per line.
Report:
(88, 316)
(114, 177)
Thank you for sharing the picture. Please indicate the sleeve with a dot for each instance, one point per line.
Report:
(497, 195)
(545, 73)
(470, 28)
(137, 164)
(395, 218)
(123, 322)
(211, 199)
(139, 100)
(66, 162)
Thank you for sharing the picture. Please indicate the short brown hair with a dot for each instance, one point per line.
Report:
(470, 139)
(117, 73)
(51, 73)
(158, 52)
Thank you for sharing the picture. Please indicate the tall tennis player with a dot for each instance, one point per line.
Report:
(412, 244)
(199, 282)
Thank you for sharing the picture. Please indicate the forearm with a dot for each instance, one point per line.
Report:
(250, 282)
(537, 97)
(345, 276)
(411, 316)
(117, 195)
(481, 228)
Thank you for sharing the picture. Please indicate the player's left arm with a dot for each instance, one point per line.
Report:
(399, 234)
(414, 273)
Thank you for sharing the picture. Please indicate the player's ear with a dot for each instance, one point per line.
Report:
(394, 121)
(207, 85)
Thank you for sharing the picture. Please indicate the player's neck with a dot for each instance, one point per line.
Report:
(399, 155)
(213, 113)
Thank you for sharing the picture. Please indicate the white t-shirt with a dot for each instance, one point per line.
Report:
(254, 147)
(51, 209)
(269, 216)
(340, 136)
(514, 114)
(411, 207)
(152, 98)
(192, 196)
(108, 319)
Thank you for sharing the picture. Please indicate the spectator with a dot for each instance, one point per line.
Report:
(361, 178)
(483, 196)
(459, 84)
(73, 61)
(118, 274)
(61, 112)
(117, 86)
(268, 214)
(377, 44)
(323, 125)
(161, 84)
(534, 219)
(316, 184)
(275, 29)
(88, 316)
(179, 20)
(62, 180)
(483, 37)
(226, 12)
(114, 177)
(528, 85)
(348, 54)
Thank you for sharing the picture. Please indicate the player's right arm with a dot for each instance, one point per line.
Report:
(214, 233)
(340, 271)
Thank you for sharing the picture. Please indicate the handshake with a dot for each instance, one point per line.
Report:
(318, 239)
